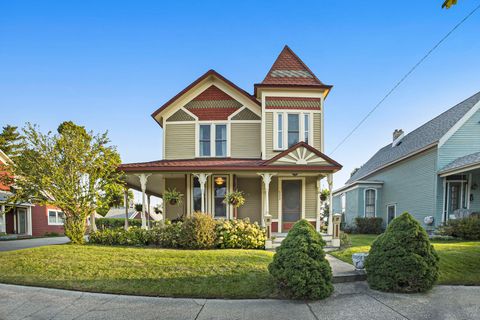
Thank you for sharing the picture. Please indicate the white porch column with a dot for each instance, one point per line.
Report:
(266, 217)
(319, 204)
(143, 185)
(330, 203)
(202, 179)
(29, 221)
(164, 207)
(148, 210)
(126, 208)
(3, 224)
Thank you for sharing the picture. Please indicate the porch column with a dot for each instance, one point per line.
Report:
(202, 179)
(29, 221)
(319, 204)
(3, 224)
(148, 211)
(126, 208)
(330, 203)
(164, 207)
(266, 217)
(143, 184)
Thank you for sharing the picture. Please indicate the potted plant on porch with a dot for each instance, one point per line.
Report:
(235, 198)
(173, 197)
(324, 194)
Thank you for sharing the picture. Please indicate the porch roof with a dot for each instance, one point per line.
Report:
(465, 163)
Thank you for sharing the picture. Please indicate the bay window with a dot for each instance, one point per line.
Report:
(212, 140)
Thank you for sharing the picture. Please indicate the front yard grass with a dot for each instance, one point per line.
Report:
(458, 259)
(142, 271)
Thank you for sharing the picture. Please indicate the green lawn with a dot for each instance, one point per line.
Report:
(141, 271)
(458, 260)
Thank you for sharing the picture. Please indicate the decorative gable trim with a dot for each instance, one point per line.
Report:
(459, 124)
(303, 154)
(181, 115)
(245, 114)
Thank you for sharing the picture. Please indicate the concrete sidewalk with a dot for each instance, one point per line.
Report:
(349, 301)
(31, 243)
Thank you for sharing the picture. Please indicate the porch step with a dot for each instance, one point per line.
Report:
(326, 237)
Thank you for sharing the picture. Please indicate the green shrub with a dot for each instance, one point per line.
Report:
(368, 225)
(402, 259)
(134, 236)
(299, 267)
(51, 234)
(168, 235)
(239, 234)
(345, 241)
(114, 223)
(466, 228)
(198, 232)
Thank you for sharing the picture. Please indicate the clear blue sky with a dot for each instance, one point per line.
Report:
(108, 65)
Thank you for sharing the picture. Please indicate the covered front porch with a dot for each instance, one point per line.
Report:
(461, 193)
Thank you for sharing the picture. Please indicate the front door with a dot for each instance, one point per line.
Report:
(22, 221)
(391, 212)
(291, 203)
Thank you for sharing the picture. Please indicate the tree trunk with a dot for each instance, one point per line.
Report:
(93, 224)
(75, 227)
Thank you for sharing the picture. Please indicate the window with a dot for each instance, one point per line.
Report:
(344, 202)
(55, 217)
(391, 212)
(290, 128)
(280, 131)
(293, 129)
(212, 140)
(205, 140)
(219, 192)
(197, 195)
(220, 140)
(306, 127)
(370, 202)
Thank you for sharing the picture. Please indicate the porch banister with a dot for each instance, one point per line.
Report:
(143, 184)
(202, 179)
(330, 203)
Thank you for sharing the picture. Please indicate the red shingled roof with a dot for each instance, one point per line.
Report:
(233, 164)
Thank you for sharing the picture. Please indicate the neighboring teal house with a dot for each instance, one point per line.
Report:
(433, 172)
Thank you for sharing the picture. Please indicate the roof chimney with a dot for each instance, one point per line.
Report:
(397, 136)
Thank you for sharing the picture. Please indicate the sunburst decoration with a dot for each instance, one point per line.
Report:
(301, 156)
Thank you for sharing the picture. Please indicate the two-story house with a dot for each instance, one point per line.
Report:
(433, 172)
(218, 138)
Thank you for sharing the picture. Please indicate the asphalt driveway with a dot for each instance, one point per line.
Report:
(31, 243)
(350, 301)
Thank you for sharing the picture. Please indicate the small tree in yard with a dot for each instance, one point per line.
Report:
(299, 267)
(402, 259)
(71, 170)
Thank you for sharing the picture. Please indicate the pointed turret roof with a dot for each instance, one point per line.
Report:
(289, 70)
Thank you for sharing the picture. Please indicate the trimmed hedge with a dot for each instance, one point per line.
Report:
(467, 228)
(368, 225)
(299, 267)
(198, 232)
(114, 223)
(402, 259)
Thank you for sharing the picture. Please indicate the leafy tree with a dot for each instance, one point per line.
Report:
(113, 196)
(402, 259)
(71, 169)
(11, 141)
(449, 3)
(299, 267)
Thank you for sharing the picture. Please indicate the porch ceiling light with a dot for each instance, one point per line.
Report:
(219, 180)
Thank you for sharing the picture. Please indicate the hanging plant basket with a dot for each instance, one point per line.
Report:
(173, 202)
(236, 198)
(323, 197)
(173, 197)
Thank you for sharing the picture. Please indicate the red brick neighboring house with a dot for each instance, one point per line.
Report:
(26, 219)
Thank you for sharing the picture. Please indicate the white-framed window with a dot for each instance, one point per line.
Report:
(343, 199)
(196, 195)
(291, 128)
(212, 140)
(391, 212)
(55, 218)
(370, 203)
(220, 189)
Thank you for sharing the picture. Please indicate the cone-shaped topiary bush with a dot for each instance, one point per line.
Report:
(402, 259)
(299, 267)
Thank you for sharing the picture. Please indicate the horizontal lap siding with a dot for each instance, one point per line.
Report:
(40, 224)
(411, 185)
(252, 209)
(269, 135)
(179, 141)
(245, 140)
(317, 131)
(173, 212)
(310, 197)
(353, 206)
(273, 197)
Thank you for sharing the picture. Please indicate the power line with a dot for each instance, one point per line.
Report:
(405, 77)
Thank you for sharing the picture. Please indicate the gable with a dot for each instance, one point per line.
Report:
(292, 103)
(301, 156)
(213, 104)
